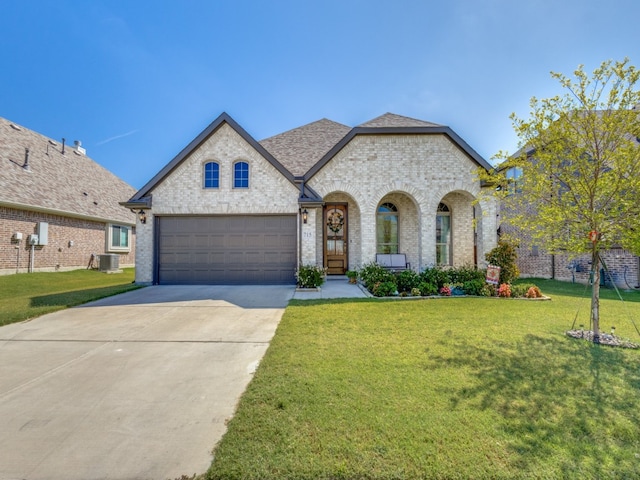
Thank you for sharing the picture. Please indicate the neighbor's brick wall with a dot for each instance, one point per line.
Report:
(423, 170)
(622, 266)
(88, 237)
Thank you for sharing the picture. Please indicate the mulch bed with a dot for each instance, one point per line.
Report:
(605, 338)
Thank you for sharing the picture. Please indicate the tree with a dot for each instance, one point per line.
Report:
(579, 156)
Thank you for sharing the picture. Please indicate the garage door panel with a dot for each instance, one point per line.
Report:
(227, 249)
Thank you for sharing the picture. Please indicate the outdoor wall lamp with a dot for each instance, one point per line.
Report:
(305, 215)
(142, 216)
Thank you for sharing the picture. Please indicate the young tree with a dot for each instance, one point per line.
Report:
(579, 156)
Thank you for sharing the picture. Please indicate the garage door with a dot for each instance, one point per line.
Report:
(227, 250)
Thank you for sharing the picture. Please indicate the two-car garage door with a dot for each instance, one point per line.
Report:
(226, 249)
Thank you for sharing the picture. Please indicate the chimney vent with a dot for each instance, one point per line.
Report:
(26, 159)
(63, 140)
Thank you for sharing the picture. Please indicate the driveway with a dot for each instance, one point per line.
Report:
(136, 386)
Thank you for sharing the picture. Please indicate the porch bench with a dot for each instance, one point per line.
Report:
(395, 262)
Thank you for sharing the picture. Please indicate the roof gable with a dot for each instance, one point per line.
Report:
(224, 118)
(36, 174)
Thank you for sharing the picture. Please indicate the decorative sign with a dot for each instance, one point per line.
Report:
(593, 236)
(493, 274)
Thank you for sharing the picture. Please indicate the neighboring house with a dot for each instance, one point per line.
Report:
(57, 206)
(623, 267)
(231, 210)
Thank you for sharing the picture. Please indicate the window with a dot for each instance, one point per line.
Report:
(443, 235)
(513, 175)
(211, 175)
(387, 229)
(241, 175)
(118, 238)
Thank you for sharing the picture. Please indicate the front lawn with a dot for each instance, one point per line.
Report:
(440, 388)
(28, 295)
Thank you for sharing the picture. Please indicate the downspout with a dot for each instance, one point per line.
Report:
(553, 266)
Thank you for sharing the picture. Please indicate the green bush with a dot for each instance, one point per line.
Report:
(427, 289)
(504, 256)
(437, 276)
(407, 280)
(466, 274)
(384, 289)
(372, 273)
(473, 287)
(309, 276)
(519, 291)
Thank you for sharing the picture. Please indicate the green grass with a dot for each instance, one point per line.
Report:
(28, 295)
(440, 388)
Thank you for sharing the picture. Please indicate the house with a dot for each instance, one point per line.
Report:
(232, 210)
(57, 206)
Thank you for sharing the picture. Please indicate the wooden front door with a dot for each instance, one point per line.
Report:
(335, 238)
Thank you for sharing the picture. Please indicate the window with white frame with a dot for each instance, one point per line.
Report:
(118, 238)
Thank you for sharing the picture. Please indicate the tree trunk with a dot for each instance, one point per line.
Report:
(595, 294)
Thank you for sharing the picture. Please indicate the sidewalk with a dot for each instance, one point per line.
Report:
(336, 286)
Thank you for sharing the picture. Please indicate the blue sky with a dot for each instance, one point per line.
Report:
(136, 81)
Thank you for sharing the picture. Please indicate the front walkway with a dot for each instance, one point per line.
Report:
(336, 286)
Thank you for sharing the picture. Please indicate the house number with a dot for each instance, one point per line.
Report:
(307, 235)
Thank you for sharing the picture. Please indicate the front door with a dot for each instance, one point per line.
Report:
(335, 238)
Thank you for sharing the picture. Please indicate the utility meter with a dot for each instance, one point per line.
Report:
(33, 239)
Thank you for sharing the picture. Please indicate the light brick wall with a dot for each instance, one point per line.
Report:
(182, 192)
(87, 236)
(419, 171)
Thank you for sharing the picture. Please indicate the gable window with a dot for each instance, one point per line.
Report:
(118, 238)
(443, 235)
(387, 229)
(513, 176)
(211, 175)
(241, 175)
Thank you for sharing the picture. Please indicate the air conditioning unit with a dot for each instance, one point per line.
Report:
(109, 262)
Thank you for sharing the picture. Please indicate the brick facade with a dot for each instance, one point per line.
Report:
(71, 241)
(415, 172)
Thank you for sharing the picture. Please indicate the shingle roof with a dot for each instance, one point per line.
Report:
(393, 120)
(299, 149)
(68, 184)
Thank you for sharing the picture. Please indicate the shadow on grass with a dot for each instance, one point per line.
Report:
(78, 297)
(561, 399)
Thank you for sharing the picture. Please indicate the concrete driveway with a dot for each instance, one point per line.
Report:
(136, 386)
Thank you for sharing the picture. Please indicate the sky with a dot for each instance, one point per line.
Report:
(136, 80)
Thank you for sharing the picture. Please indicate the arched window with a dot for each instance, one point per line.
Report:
(211, 175)
(387, 229)
(443, 235)
(241, 175)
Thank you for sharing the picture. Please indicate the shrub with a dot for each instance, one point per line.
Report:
(415, 292)
(519, 291)
(427, 289)
(437, 276)
(473, 287)
(372, 273)
(407, 280)
(533, 292)
(489, 290)
(466, 274)
(504, 256)
(504, 290)
(384, 289)
(309, 276)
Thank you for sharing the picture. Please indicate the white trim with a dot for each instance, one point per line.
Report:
(109, 248)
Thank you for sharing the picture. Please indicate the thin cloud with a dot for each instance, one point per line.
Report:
(111, 139)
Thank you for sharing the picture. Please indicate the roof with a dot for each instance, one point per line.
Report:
(301, 148)
(397, 121)
(301, 152)
(45, 179)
